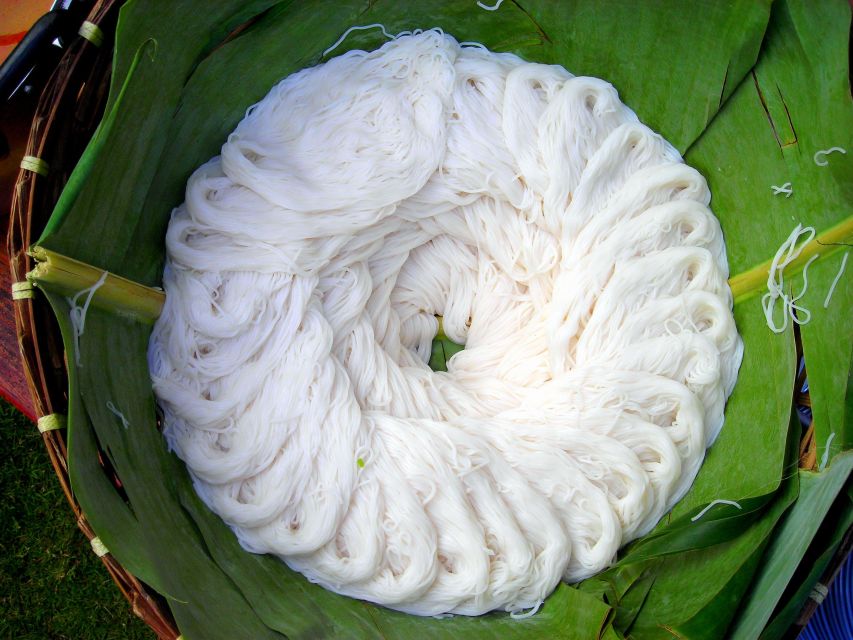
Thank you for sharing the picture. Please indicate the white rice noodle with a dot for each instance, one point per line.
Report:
(786, 254)
(566, 246)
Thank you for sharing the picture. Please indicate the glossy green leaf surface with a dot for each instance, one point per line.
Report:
(811, 569)
(794, 103)
(818, 491)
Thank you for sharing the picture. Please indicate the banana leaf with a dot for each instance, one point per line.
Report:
(834, 527)
(748, 90)
(818, 492)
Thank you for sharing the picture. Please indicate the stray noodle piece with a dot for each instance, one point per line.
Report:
(714, 503)
(775, 278)
(835, 281)
(825, 458)
(805, 315)
(523, 615)
(785, 188)
(118, 414)
(359, 28)
(495, 7)
(818, 157)
(78, 314)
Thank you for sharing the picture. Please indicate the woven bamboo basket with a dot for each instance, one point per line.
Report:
(68, 114)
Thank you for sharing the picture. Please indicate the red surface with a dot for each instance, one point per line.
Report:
(16, 16)
(13, 385)
(15, 125)
(11, 38)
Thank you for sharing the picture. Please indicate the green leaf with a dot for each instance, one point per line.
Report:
(719, 524)
(672, 67)
(273, 590)
(767, 134)
(443, 349)
(817, 493)
(105, 508)
(567, 613)
(151, 478)
(757, 418)
(784, 616)
(742, 153)
(625, 590)
(712, 620)
(656, 62)
(97, 145)
(632, 602)
(697, 587)
(703, 584)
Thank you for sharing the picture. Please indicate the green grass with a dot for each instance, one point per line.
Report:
(52, 586)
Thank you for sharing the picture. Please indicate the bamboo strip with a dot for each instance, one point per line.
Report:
(67, 276)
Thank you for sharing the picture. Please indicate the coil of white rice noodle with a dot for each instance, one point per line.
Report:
(566, 245)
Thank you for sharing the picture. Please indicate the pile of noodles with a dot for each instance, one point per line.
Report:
(566, 245)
